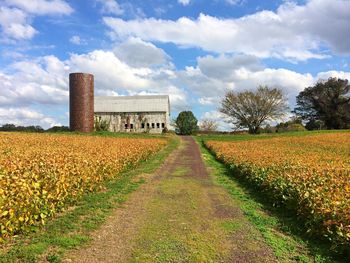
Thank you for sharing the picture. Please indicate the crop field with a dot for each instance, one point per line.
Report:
(40, 174)
(307, 174)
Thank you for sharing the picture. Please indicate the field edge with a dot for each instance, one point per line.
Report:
(276, 227)
(71, 229)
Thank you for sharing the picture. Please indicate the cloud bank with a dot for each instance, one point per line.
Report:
(292, 32)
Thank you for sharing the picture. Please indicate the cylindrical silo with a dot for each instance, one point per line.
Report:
(81, 102)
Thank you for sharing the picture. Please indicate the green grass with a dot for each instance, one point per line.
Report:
(177, 227)
(72, 228)
(281, 230)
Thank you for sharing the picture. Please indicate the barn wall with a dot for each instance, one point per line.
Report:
(134, 121)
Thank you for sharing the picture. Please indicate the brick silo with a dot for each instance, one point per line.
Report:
(81, 102)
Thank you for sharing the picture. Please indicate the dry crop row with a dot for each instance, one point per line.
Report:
(308, 174)
(40, 174)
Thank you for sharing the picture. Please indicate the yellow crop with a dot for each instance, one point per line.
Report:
(309, 174)
(41, 173)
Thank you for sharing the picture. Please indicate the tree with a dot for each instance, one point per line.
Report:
(58, 129)
(186, 123)
(328, 102)
(208, 125)
(13, 127)
(294, 124)
(250, 109)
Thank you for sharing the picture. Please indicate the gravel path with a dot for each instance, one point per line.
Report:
(178, 215)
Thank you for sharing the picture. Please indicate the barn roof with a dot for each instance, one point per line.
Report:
(149, 103)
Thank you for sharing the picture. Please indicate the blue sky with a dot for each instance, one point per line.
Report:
(193, 50)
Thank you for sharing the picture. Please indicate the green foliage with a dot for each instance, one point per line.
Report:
(58, 129)
(13, 127)
(186, 123)
(315, 125)
(101, 124)
(327, 101)
(294, 124)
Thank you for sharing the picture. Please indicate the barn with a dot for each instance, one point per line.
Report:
(149, 113)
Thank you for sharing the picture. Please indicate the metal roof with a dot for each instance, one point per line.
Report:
(149, 103)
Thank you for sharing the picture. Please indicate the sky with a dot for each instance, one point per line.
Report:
(193, 50)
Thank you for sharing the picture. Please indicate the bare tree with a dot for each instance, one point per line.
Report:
(208, 125)
(250, 109)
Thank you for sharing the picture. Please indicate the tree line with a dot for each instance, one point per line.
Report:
(32, 128)
(325, 105)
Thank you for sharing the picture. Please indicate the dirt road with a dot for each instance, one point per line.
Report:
(179, 215)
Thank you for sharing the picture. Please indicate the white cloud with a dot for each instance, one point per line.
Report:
(16, 16)
(214, 76)
(219, 118)
(293, 32)
(333, 74)
(138, 53)
(111, 7)
(225, 66)
(206, 101)
(110, 72)
(202, 85)
(44, 81)
(235, 2)
(184, 2)
(75, 40)
(42, 7)
(14, 23)
(32, 84)
(26, 116)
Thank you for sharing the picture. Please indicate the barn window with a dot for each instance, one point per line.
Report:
(158, 125)
(152, 125)
(142, 125)
(126, 125)
(148, 125)
(131, 126)
(163, 125)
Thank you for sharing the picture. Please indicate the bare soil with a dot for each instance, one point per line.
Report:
(178, 215)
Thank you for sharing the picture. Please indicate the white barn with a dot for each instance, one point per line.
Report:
(134, 113)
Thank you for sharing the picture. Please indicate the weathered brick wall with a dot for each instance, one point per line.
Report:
(81, 102)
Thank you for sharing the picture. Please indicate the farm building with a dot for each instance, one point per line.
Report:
(133, 113)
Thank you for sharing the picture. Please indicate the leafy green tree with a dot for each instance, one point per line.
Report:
(186, 123)
(251, 109)
(327, 102)
(294, 124)
(13, 127)
(58, 129)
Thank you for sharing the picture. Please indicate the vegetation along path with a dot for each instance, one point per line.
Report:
(180, 215)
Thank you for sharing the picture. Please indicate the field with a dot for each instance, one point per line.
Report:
(309, 175)
(40, 174)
